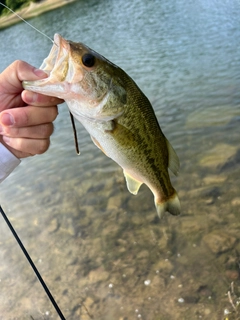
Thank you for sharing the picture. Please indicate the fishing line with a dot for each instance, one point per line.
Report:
(32, 265)
(28, 23)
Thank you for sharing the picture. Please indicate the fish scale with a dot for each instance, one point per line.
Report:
(149, 130)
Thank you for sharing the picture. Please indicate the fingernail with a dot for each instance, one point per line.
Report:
(7, 119)
(6, 139)
(30, 97)
(40, 73)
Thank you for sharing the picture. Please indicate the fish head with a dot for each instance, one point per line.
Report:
(89, 83)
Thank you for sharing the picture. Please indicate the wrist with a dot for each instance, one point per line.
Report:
(8, 162)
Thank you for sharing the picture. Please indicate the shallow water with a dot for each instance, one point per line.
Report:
(102, 251)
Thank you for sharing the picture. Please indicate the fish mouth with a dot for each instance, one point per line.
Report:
(57, 54)
(56, 66)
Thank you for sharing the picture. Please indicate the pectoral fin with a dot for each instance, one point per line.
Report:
(133, 185)
(122, 135)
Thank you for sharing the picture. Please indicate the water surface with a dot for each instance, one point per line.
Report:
(102, 251)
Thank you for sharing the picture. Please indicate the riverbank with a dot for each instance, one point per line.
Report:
(34, 9)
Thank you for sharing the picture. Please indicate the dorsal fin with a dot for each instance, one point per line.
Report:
(173, 161)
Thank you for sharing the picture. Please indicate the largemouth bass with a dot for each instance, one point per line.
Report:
(117, 115)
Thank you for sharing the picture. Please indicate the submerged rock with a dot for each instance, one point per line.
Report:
(219, 242)
(235, 202)
(214, 179)
(218, 155)
(206, 117)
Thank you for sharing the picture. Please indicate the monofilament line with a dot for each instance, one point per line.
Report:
(59, 312)
(27, 22)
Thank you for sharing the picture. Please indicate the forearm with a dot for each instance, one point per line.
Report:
(8, 162)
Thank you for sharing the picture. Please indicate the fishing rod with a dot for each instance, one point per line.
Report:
(38, 275)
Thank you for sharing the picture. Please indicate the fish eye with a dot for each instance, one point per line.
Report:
(88, 60)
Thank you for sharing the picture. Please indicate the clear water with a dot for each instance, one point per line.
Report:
(102, 251)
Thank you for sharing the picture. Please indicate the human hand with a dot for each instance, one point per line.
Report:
(25, 117)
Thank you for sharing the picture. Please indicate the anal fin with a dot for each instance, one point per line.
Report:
(133, 185)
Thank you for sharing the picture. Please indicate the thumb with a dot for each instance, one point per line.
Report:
(18, 71)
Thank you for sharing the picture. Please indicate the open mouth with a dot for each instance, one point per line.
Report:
(55, 66)
(49, 62)
(57, 55)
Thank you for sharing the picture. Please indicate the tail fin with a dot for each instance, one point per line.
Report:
(172, 205)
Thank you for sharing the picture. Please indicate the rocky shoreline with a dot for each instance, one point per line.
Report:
(33, 10)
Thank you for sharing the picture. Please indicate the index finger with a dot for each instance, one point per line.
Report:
(28, 116)
(40, 100)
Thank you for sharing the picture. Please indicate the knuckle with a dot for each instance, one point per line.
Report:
(7, 131)
(46, 130)
(24, 118)
(43, 146)
(17, 63)
(17, 143)
(15, 132)
(50, 129)
(21, 117)
(54, 112)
